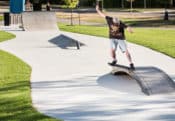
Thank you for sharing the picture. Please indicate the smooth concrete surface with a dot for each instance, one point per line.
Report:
(75, 85)
(42, 21)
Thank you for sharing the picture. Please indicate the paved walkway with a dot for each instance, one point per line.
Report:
(75, 85)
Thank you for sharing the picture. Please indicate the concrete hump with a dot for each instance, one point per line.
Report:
(39, 21)
(151, 79)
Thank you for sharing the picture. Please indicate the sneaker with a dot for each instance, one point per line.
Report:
(113, 63)
(132, 66)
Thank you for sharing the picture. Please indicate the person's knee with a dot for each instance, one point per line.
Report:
(127, 52)
(113, 50)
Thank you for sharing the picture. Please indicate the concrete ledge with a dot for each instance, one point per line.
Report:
(42, 21)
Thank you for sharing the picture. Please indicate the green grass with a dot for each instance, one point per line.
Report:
(1, 18)
(5, 36)
(161, 40)
(15, 92)
(156, 39)
(89, 30)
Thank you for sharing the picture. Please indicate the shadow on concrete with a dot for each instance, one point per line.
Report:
(164, 117)
(93, 112)
(85, 81)
(86, 109)
(121, 82)
(65, 42)
(99, 108)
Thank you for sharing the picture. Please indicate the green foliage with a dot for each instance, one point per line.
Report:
(110, 3)
(137, 3)
(163, 2)
(71, 3)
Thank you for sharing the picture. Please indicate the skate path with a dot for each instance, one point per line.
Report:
(75, 85)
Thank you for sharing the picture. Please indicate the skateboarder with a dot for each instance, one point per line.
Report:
(117, 36)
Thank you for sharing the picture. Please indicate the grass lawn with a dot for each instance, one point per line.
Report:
(1, 18)
(4, 36)
(15, 92)
(161, 40)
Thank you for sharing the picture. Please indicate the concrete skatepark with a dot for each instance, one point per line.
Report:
(76, 85)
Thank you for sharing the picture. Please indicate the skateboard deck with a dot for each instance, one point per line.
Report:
(118, 65)
(120, 69)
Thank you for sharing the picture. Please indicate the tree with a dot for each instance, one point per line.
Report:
(164, 2)
(131, 7)
(71, 4)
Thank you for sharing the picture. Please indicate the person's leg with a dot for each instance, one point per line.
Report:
(128, 55)
(113, 55)
(124, 49)
(113, 51)
(130, 60)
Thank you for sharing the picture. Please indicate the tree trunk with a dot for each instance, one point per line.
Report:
(131, 6)
(71, 23)
(122, 4)
(171, 3)
(145, 4)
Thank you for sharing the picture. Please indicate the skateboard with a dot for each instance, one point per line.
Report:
(118, 69)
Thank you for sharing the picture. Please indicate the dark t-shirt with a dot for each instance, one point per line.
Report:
(116, 30)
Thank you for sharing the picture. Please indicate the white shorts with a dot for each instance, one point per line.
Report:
(117, 42)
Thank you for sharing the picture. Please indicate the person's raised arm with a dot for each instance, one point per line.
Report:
(99, 11)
